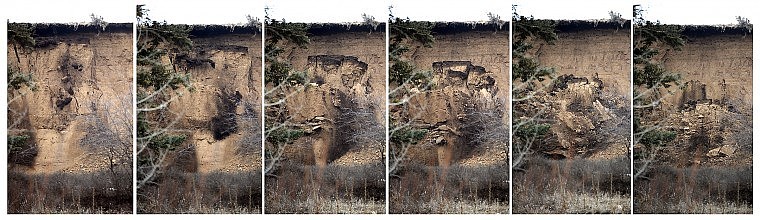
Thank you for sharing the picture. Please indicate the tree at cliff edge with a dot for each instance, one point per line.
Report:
(528, 126)
(279, 79)
(406, 81)
(158, 84)
(650, 79)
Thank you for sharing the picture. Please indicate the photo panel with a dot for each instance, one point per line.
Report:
(571, 109)
(448, 108)
(199, 107)
(692, 109)
(324, 100)
(69, 109)
(270, 107)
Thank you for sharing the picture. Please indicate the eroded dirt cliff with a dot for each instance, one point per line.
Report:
(470, 76)
(711, 111)
(83, 79)
(221, 116)
(573, 127)
(337, 105)
(588, 49)
(217, 166)
(588, 101)
(73, 117)
(455, 108)
(346, 90)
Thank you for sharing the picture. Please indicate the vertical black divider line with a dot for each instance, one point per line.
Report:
(134, 117)
(630, 147)
(387, 114)
(511, 107)
(263, 113)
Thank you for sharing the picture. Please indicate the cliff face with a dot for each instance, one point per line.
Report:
(712, 112)
(343, 105)
(221, 117)
(470, 74)
(335, 101)
(589, 101)
(83, 78)
(718, 66)
(602, 51)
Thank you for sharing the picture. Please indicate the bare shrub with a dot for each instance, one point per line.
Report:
(98, 21)
(21, 149)
(484, 126)
(332, 189)
(370, 20)
(67, 192)
(216, 192)
(546, 183)
(356, 126)
(695, 190)
(250, 125)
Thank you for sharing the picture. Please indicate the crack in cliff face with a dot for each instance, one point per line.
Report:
(186, 61)
(225, 122)
(693, 92)
(67, 65)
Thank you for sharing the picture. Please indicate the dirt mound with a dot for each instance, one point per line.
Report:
(709, 135)
(360, 156)
(588, 120)
(485, 157)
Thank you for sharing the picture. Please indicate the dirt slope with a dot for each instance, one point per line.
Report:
(590, 98)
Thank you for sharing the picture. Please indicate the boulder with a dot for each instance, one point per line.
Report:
(724, 151)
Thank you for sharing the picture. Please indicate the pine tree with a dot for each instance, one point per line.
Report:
(158, 84)
(20, 36)
(406, 81)
(527, 73)
(649, 80)
(280, 79)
